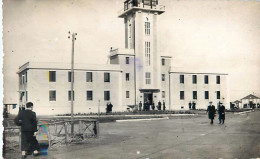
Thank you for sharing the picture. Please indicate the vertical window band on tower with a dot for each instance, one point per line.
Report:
(147, 53)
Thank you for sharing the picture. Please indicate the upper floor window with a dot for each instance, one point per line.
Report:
(52, 76)
(69, 76)
(147, 28)
(194, 79)
(163, 62)
(147, 77)
(206, 79)
(89, 77)
(52, 95)
(147, 53)
(218, 79)
(127, 60)
(163, 94)
(127, 76)
(106, 77)
(127, 94)
(163, 77)
(181, 78)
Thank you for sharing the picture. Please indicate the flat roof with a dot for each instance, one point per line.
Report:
(67, 66)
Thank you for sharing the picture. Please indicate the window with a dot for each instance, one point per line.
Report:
(181, 78)
(69, 93)
(163, 94)
(181, 95)
(23, 81)
(127, 75)
(147, 28)
(206, 79)
(26, 78)
(106, 95)
(147, 77)
(52, 76)
(26, 96)
(194, 79)
(163, 77)
(218, 79)
(206, 94)
(89, 95)
(69, 76)
(127, 94)
(20, 80)
(163, 62)
(106, 77)
(147, 53)
(127, 60)
(89, 76)
(52, 95)
(218, 94)
(194, 94)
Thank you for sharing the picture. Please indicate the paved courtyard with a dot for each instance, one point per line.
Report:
(175, 138)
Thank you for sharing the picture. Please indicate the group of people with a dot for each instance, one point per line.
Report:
(26, 118)
(147, 106)
(211, 110)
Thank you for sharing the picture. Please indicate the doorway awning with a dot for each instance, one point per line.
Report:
(149, 90)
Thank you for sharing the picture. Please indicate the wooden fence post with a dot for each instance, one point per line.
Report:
(66, 133)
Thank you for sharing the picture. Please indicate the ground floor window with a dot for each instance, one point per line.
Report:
(218, 94)
(163, 94)
(52, 95)
(89, 95)
(106, 95)
(206, 94)
(194, 94)
(181, 95)
(69, 95)
(127, 94)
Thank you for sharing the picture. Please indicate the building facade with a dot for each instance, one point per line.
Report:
(137, 73)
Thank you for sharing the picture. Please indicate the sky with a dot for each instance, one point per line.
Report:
(215, 36)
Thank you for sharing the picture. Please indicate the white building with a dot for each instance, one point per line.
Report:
(136, 73)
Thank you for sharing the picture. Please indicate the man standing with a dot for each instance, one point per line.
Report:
(211, 112)
(159, 105)
(28, 122)
(140, 106)
(221, 113)
(164, 107)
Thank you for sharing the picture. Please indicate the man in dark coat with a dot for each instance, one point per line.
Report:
(164, 107)
(159, 105)
(221, 113)
(153, 106)
(140, 106)
(211, 112)
(28, 122)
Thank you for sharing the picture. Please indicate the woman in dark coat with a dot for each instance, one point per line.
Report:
(28, 122)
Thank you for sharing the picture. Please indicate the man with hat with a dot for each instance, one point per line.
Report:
(221, 113)
(28, 122)
(211, 112)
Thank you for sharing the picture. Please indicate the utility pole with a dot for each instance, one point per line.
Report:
(72, 81)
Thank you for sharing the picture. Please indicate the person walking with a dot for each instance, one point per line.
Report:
(140, 106)
(211, 112)
(28, 122)
(164, 106)
(221, 113)
(153, 106)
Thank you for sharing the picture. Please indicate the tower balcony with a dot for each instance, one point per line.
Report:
(120, 51)
(145, 5)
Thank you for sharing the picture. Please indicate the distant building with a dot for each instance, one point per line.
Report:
(136, 73)
(250, 101)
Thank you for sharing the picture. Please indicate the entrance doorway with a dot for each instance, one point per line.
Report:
(148, 97)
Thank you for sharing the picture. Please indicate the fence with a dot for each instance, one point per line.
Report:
(55, 131)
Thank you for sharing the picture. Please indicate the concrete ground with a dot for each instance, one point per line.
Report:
(175, 138)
